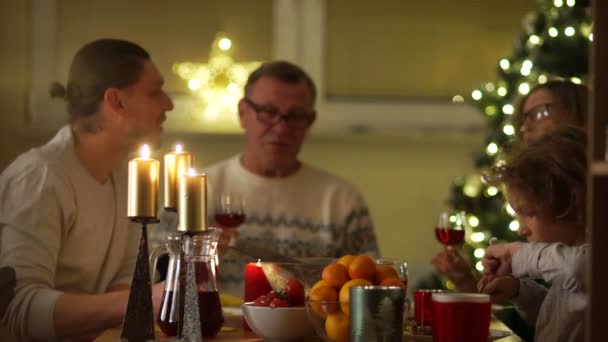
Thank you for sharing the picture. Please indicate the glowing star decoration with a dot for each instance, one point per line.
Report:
(218, 85)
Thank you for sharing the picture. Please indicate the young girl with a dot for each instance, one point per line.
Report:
(545, 185)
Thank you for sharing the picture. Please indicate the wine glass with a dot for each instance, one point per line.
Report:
(229, 211)
(400, 266)
(449, 234)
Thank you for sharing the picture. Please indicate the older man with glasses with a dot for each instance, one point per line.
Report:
(291, 207)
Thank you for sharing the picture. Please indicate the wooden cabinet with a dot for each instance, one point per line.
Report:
(597, 197)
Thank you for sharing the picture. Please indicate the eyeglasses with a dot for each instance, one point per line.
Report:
(272, 116)
(539, 112)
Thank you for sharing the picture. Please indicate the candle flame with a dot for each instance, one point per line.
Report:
(145, 152)
(191, 172)
(178, 148)
(259, 263)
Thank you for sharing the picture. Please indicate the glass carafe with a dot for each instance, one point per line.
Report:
(169, 311)
(200, 252)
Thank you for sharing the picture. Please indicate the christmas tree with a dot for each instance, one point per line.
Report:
(553, 44)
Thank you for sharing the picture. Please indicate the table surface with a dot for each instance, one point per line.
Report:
(233, 331)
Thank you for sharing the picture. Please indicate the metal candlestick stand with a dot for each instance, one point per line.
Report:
(190, 322)
(138, 324)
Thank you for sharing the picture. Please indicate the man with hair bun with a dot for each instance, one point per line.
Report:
(63, 205)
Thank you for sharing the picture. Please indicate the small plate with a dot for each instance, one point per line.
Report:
(494, 335)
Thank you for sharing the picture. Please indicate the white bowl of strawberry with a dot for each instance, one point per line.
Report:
(280, 316)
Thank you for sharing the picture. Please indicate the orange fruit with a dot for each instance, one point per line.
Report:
(337, 327)
(335, 275)
(344, 295)
(346, 260)
(392, 281)
(323, 300)
(362, 267)
(319, 283)
(384, 271)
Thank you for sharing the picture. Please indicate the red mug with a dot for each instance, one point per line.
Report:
(423, 307)
(461, 317)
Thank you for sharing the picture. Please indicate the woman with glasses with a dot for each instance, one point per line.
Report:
(548, 106)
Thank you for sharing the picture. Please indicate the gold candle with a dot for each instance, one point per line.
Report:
(143, 186)
(176, 164)
(192, 202)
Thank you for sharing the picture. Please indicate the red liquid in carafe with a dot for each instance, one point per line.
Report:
(210, 310)
(168, 317)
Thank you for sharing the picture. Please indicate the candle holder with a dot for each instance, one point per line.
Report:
(138, 324)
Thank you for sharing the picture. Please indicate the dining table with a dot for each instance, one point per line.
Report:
(233, 331)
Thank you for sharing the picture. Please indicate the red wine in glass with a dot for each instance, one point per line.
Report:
(229, 212)
(449, 236)
(229, 220)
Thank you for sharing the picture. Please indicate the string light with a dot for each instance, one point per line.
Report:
(576, 80)
(502, 91)
(490, 87)
(525, 72)
(569, 31)
(194, 85)
(553, 32)
(473, 221)
(458, 99)
(224, 44)
(524, 88)
(590, 36)
(558, 3)
(479, 253)
(507, 109)
(571, 3)
(514, 225)
(542, 79)
(504, 64)
(527, 64)
(492, 148)
(478, 237)
(479, 266)
(476, 95)
(534, 39)
(491, 191)
(491, 110)
(510, 210)
(508, 129)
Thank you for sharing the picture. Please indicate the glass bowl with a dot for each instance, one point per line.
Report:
(329, 320)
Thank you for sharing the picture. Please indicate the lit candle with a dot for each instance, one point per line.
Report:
(192, 202)
(256, 283)
(176, 163)
(143, 186)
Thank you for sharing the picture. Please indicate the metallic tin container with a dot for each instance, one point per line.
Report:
(376, 313)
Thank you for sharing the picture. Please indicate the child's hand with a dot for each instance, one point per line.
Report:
(456, 268)
(497, 260)
(501, 288)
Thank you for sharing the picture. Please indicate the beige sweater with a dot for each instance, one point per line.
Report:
(62, 231)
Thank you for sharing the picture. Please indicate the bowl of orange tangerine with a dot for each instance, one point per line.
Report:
(328, 301)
